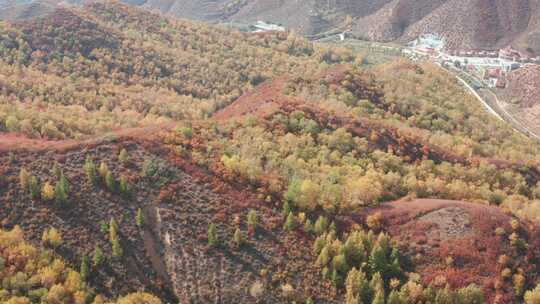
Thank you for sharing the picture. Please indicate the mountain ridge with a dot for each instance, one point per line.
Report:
(466, 25)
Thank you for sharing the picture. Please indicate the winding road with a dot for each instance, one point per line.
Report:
(509, 118)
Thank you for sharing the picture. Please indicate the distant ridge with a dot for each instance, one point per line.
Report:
(477, 24)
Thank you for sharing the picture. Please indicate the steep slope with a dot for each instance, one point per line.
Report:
(522, 96)
(108, 66)
(465, 25)
(82, 220)
(21, 10)
(37, 274)
(343, 167)
(478, 24)
(200, 10)
(257, 167)
(524, 87)
(169, 254)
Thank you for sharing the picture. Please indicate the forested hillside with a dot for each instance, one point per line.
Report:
(89, 70)
(169, 161)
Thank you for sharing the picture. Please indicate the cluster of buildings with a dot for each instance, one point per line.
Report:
(490, 67)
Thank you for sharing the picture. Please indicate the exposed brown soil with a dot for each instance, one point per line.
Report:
(451, 222)
(15, 142)
(262, 101)
(170, 257)
(524, 87)
(79, 222)
(431, 231)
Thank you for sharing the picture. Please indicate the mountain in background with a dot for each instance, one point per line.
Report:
(478, 24)
(466, 25)
(25, 9)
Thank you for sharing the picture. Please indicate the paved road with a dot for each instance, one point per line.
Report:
(509, 118)
(484, 103)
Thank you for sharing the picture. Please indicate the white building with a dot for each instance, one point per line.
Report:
(261, 26)
(428, 41)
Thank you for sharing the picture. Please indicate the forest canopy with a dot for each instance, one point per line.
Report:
(84, 71)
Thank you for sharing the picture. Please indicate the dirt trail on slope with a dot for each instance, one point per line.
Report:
(13, 142)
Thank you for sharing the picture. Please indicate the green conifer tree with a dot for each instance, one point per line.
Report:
(125, 188)
(377, 261)
(103, 227)
(321, 225)
(33, 187)
(90, 170)
(336, 278)
(212, 235)
(238, 238)
(64, 182)
(103, 170)
(286, 209)
(117, 250)
(339, 263)
(85, 268)
(113, 230)
(319, 244)
(290, 222)
(60, 194)
(24, 176)
(97, 257)
(110, 181)
(123, 157)
(324, 257)
(139, 219)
